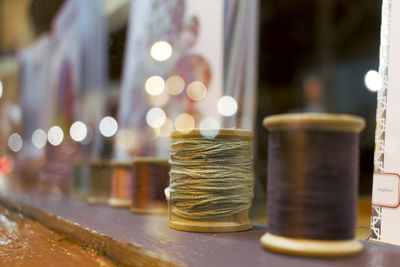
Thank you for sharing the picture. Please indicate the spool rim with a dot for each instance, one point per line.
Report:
(120, 164)
(311, 247)
(237, 133)
(315, 121)
(150, 160)
(118, 202)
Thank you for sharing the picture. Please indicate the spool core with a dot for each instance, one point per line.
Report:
(314, 123)
(234, 223)
(99, 182)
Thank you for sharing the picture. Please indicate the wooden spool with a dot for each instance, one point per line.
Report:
(80, 180)
(237, 222)
(121, 185)
(99, 182)
(304, 246)
(148, 194)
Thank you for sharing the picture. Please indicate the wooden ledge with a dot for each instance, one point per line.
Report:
(146, 240)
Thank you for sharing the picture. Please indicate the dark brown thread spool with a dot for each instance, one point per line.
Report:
(99, 182)
(121, 185)
(312, 184)
(239, 221)
(150, 178)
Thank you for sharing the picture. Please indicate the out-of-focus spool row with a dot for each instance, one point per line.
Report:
(139, 185)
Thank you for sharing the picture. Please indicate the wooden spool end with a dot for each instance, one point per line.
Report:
(235, 223)
(150, 211)
(311, 247)
(235, 133)
(315, 121)
(119, 203)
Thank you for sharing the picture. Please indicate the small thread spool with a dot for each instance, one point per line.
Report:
(80, 180)
(312, 184)
(211, 181)
(121, 185)
(150, 178)
(99, 182)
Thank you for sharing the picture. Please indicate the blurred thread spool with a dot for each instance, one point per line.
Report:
(150, 178)
(80, 180)
(99, 182)
(121, 184)
(312, 184)
(211, 181)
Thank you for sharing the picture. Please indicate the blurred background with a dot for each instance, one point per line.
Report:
(312, 56)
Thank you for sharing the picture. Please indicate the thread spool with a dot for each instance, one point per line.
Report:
(211, 181)
(312, 184)
(99, 182)
(121, 184)
(150, 178)
(80, 180)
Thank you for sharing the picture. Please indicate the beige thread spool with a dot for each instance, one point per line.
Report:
(99, 182)
(149, 180)
(236, 222)
(121, 184)
(316, 151)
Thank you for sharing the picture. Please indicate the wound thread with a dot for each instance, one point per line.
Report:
(150, 178)
(312, 185)
(210, 178)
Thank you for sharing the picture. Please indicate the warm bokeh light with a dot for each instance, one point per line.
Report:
(39, 138)
(227, 106)
(125, 139)
(155, 117)
(6, 165)
(373, 81)
(167, 128)
(15, 142)
(184, 123)
(159, 100)
(1, 89)
(175, 85)
(55, 135)
(209, 127)
(108, 126)
(161, 51)
(196, 91)
(78, 131)
(154, 85)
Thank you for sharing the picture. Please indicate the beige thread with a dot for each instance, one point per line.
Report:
(210, 178)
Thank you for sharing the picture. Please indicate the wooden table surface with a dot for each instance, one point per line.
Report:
(147, 240)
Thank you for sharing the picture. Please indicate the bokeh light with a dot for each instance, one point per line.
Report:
(209, 127)
(161, 51)
(78, 131)
(6, 165)
(15, 142)
(55, 135)
(108, 126)
(196, 91)
(89, 136)
(125, 139)
(39, 138)
(155, 117)
(373, 81)
(167, 128)
(154, 85)
(227, 106)
(174, 85)
(1, 89)
(184, 123)
(159, 100)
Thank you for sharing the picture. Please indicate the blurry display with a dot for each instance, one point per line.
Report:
(182, 71)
